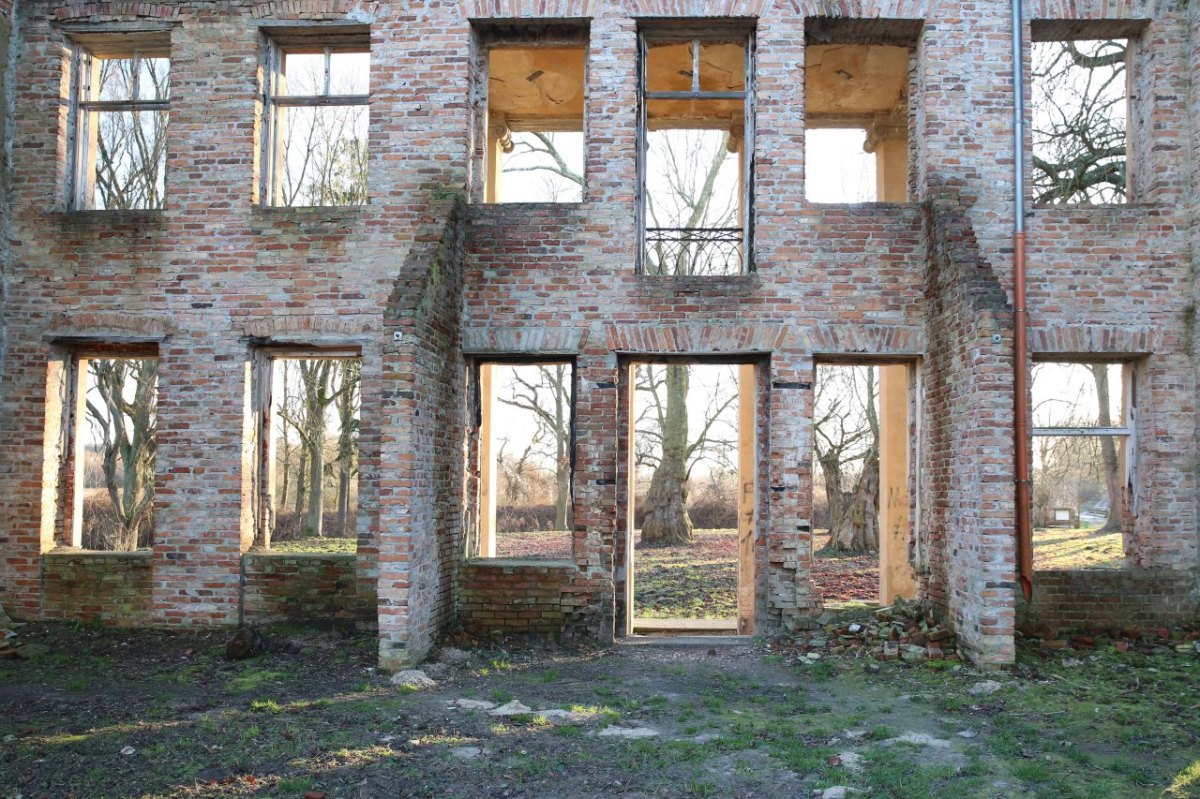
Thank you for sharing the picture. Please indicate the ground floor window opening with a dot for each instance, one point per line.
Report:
(313, 453)
(1082, 466)
(692, 489)
(526, 458)
(861, 497)
(115, 447)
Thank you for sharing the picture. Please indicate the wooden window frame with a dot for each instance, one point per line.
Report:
(697, 35)
(272, 98)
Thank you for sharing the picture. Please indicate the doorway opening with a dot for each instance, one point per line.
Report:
(690, 541)
(861, 505)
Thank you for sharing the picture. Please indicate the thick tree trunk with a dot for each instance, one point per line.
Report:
(858, 530)
(665, 520)
(314, 524)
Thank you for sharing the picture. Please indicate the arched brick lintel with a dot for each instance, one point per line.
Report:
(318, 10)
(883, 340)
(861, 9)
(111, 327)
(524, 341)
(1092, 340)
(696, 339)
(304, 330)
(114, 11)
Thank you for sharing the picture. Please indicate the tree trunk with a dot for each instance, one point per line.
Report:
(831, 468)
(562, 477)
(343, 498)
(858, 530)
(301, 482)
(1108, 451)
(314, 524)
(665, 521)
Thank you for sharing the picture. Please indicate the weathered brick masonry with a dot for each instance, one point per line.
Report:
(424, 282)
(303, 588)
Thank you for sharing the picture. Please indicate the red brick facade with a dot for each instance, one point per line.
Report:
(422, 282)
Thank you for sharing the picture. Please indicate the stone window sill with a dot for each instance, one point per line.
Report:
(508, 563)
(97, 554)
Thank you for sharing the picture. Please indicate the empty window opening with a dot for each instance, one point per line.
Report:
(839, 170)
(1082, 465)
(114, 448)
(526, 459)
(861, 496)
(696, 137)
(313, 453)
(534, 124)
(856, 88)
(121, 103)
(316, 103)
(692, 484)
(1080, 100)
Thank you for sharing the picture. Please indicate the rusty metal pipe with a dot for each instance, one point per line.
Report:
(1024, 479)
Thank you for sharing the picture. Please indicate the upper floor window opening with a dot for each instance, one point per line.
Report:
(695, 153)
(315, 119)
(858, 83)
(120, 109)
(1080, 117)
(534, 80)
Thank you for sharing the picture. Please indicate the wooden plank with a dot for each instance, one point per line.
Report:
(685, 625)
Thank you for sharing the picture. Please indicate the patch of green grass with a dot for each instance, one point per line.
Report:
(318, 546)
(267, 706)
(253, 679)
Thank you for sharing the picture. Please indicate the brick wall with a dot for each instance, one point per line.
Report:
(1101, 599)
(213, 266)
(513, 596)
(967, 562)
(303, 588)
(98, 587)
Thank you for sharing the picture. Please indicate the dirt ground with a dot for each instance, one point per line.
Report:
(112, 713)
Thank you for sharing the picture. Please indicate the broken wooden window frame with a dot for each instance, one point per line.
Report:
(88, 47)
(698, 33)
(483, 398)
(261, 427)
(278, 42)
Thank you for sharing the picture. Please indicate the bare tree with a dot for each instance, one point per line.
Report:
(544, 392)
(1110, 463)
(1079, 121)
(309, 417)
(121, 409)
(665, 442)
(846, 439)
(347, 448)
(131, 145)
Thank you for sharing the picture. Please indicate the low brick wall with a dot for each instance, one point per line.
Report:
(514, 596)
(97, 587)
(1100, 599)
(303, 589)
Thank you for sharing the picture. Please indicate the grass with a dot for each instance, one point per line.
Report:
(690, 581)
(1058, 548)
(313, 717)
(317, 546)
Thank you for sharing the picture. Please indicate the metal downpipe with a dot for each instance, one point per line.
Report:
(1020, 317)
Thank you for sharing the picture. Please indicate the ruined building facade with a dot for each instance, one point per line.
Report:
(426, 280)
